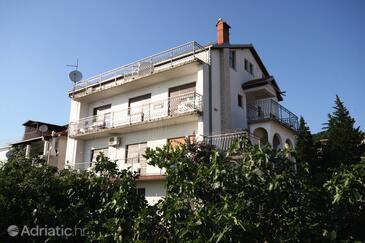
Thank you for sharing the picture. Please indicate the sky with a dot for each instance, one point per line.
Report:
(314, 48)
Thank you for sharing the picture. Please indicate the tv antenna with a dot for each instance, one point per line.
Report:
(75, 75)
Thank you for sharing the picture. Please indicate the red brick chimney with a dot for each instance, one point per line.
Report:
(222, 32)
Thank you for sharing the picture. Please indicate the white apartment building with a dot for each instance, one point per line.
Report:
(190, 90)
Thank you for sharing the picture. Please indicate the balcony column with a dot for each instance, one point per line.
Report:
(27, 151)
(45, 147)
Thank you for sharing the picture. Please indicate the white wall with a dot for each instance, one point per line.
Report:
(3, 152)
(236, 118)
(273, 127)
(216, 86)
(156, 137)
(155, 190)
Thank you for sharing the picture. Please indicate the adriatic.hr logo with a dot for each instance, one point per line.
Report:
(13, 230)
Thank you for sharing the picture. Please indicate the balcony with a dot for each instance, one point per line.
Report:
(136, 165)
(225, 140)
(146, 113)
(162, 61)
(264, 110)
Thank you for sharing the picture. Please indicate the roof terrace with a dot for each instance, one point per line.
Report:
(162, 61)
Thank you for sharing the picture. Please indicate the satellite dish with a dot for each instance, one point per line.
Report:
(75, 76)
(43, 128)
(9, 154)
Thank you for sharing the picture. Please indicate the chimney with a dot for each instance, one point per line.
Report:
(222, 32)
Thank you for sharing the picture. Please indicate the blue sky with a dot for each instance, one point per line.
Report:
(315, 49)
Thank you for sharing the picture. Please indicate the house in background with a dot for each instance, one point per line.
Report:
(190, 91)
(3, 153)
(45, 140)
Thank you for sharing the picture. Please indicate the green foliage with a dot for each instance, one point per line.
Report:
(243, 195)
(104, 203)
(344, 141)
(246, 194)
(305, 146)
(347, 193)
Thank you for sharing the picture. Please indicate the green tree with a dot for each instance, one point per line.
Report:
(347, 208)
(247, 194)
(103, 202)
(305, 147)
(344, 143)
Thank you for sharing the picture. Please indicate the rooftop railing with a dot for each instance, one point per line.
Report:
(272, 110)
(145, 66)
(146, 112)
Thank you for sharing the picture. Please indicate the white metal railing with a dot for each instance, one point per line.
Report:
(136, 165)
(146, 112)
(145, 66)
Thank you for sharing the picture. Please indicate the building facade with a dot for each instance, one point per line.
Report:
(45, 140)
(188, 91)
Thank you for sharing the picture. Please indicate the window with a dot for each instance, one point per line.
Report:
(251, 69)
(96, 152)
(135, 105)
(102, 117)
(248, 66)
(101, 109)
(239, 100)
(141, 191)
(135, 152)
(232, 59)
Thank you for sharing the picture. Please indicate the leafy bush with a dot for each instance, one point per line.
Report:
(33, 193)
(248, 194)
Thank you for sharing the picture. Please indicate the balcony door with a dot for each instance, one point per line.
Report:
(182, 98)
(102, 116)
(139, 108)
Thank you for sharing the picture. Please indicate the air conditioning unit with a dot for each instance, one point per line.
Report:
(115, 141)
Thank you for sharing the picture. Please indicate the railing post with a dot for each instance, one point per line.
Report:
(194, 100)
(112, 119)
(171, 55)
(194, 49)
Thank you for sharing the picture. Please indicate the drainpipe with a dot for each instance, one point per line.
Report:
(210, 92)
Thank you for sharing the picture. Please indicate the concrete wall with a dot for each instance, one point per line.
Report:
(155, 190)
(3, 152)
(272, 128)
(216, 87)
(156, 137)
(226, 85)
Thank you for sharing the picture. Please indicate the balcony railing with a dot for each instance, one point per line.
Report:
(223, 141)
(146, 112)
(135, 165)
(272, 110)
(145, 66)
